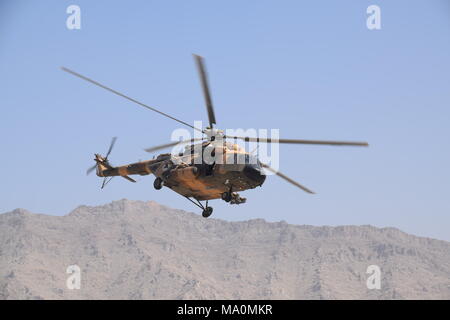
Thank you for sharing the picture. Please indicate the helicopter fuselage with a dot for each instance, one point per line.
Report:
(201, 181)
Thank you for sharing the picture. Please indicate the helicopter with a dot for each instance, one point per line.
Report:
(188, 173)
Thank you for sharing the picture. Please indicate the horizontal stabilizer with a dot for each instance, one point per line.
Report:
(128, 178)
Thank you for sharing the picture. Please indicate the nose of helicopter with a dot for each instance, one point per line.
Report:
(254, 173)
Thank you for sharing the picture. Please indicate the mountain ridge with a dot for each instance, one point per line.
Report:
(131, 249)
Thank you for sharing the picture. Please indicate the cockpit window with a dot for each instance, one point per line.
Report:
(243, 158)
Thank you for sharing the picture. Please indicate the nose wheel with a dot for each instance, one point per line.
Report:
(227, 196)
(233, 198)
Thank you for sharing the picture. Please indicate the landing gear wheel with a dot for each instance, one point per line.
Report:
(158, 183)
(207, 212)
(226, 196)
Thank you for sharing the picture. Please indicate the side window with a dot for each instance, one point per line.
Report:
(249, 159)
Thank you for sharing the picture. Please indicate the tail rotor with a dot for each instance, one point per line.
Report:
(103, 161)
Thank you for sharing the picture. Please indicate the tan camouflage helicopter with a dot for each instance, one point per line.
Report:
(187, 173)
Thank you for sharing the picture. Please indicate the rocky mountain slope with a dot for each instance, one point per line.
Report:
(143, 250)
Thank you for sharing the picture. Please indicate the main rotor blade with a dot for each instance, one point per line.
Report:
(113, 141)
(171, 144)
(205, 87)
(299, 141)
(295, 183)
(126, 97)
(88, 171)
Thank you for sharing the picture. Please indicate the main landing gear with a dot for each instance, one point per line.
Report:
(207, 210)
(158, 183)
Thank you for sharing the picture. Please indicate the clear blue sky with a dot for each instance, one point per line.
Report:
(310, 68)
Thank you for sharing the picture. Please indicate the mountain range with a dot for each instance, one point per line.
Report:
(143, 250)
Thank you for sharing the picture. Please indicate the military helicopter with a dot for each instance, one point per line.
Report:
(187, 173)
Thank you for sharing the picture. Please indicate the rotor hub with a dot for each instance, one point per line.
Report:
(214, 134)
